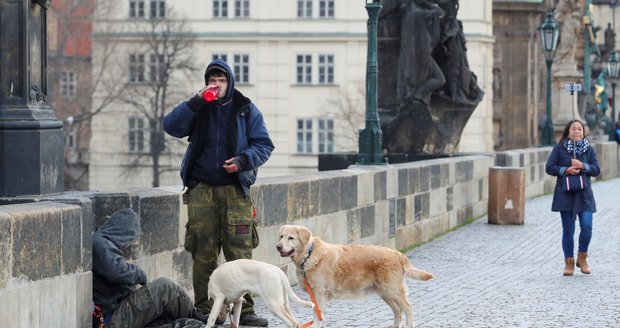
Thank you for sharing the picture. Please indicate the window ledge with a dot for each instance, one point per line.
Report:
(331, 85)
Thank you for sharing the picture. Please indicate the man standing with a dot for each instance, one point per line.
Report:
(118, 300)
(228, 141)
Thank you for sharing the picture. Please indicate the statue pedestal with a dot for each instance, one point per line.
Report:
(565, 107)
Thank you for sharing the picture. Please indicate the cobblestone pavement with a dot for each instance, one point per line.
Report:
(502, 276)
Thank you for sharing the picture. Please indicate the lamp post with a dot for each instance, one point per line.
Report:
(549, 33)
(612, 69)
(31, 137)
(371, 137)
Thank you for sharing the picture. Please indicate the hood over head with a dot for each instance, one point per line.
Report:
(121, 228)
(221, 65)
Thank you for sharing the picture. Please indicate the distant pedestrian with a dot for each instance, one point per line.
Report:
(574, 156)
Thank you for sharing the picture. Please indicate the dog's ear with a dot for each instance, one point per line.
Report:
(304, 235)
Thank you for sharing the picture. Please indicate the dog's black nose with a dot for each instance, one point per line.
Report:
(279, 248)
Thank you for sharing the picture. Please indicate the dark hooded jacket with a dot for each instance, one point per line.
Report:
(113, 277)
(219, 130)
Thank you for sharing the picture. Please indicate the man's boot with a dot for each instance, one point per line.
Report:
(188, 323)
(199, 315)
(569, 269)
(582, 263)
(251, 319)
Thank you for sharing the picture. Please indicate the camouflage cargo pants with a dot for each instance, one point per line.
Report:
(219, 218)
(160, 299)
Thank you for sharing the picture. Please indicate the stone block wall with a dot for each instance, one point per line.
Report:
(45, 264)
(45, 251)
(45, 247)
(396, 206)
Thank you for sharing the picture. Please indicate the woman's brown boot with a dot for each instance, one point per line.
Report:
(569, 269)
(582, 263)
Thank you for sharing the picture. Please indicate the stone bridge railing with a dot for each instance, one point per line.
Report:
(45, 248)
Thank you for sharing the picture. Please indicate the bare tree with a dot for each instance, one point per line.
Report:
(347, 106)
(74, 80)
(167, 45)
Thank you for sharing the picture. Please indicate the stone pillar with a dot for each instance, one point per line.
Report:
(31, 138)
(506, 195)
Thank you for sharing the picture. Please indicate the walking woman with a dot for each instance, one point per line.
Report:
(574, 156)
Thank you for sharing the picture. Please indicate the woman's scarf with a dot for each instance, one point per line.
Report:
(580, 146)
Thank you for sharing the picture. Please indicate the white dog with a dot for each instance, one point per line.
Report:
(350, 271)
(231, 280)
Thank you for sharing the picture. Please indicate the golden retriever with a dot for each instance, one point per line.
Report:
(350, 271)
(231, 280)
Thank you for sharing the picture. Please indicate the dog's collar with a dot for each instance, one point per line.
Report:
(303, 262)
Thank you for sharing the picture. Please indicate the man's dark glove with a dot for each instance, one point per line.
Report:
(241, 161)
(196, 103)
(235, 164)
(142, 280)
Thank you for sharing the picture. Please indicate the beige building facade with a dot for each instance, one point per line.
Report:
(303, 63)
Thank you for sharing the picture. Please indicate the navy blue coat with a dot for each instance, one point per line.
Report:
(248, 137)
(557, 163)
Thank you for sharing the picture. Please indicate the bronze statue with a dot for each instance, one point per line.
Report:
(422, 46)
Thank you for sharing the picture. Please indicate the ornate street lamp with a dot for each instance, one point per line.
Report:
(371, 137)
(549, 34)
(612, 69)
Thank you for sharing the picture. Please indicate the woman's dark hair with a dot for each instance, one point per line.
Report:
(567, 130)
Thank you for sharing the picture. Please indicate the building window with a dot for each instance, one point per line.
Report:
(157, 68)
(304, 136)
(326, 8)
(158, 8)
(326, 69)
(304, 8)
(242, 8)
(326, 136)
(306, 141)
(136, 135)
(241, 68)
(67, 84)
(136, 68)
(240, 65)
(220, 8)
(136, 8)
(323, 68)
(220, 56)
(304, 69)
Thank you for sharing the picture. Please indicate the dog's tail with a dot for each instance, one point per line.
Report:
(291, 294)
(415, 273)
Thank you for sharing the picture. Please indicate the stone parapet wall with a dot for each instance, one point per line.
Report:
(45, 248)
(45, 251)
(396, 206)
(533, 160)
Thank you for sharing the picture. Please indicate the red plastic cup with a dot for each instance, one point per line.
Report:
(210, 94)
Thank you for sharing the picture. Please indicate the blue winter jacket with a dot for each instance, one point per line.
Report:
(557, 163)
(213, 139)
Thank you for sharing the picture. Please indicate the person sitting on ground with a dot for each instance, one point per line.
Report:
(119, 302)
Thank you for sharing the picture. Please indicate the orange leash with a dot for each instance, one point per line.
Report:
(317, 311)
